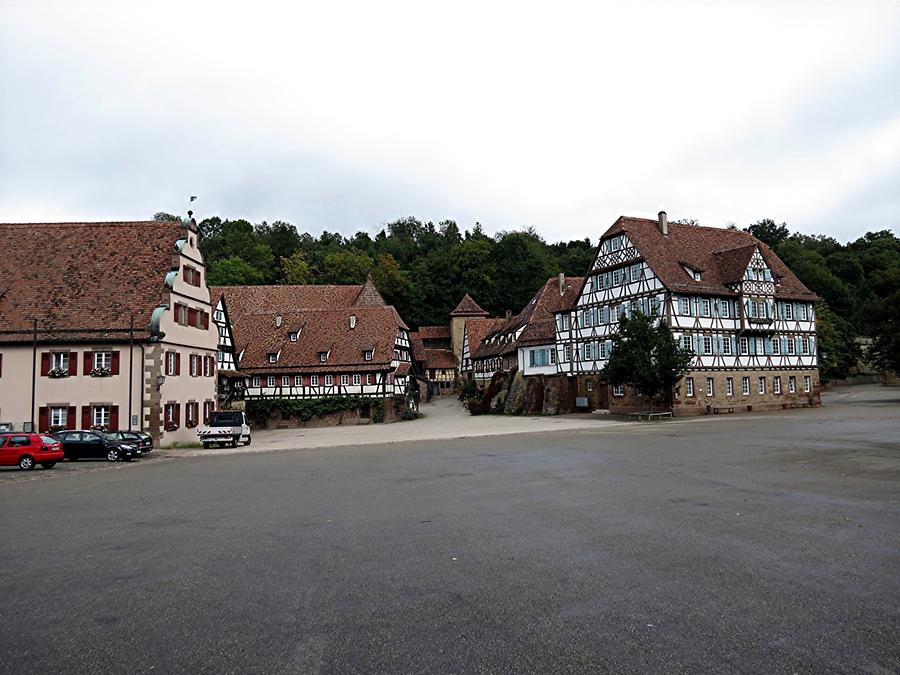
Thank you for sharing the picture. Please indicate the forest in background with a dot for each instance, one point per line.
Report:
(424, 269)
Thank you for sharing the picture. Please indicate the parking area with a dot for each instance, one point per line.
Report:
(754, 543)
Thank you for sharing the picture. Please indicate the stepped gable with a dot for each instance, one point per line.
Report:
(468, 307)
(84, 275)
(720, 253)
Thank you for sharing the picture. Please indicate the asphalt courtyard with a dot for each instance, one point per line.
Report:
(756, 543)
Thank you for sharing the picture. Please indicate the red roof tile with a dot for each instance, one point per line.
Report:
(468, 307)
(84, 275)
(434, 332)
(440, 358)
(721, 254)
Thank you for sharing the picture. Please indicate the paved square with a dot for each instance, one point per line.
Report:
(763, 543)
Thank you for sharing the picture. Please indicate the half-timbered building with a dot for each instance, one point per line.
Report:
(526, 341)
(302, 342)
(106, 325)
(748, 319)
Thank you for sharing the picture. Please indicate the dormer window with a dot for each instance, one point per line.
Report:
(353, 321)
(367, 355)
(696, 275)
(293, 336)
(323, 357)
(273, 357)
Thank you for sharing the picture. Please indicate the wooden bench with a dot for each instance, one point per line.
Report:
(718, 410)
(651, 417)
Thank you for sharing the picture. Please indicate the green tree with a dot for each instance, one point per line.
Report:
(768, 232)
(347, 267)
(838, 349)
(884, 352)
(233, 271)
(646, 356)
(388, 279)
(168, 217)
(295, 269)
(524, 264)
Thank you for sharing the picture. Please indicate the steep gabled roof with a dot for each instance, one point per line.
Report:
(84, 275)
(477, 329)
(440, 358)
(468, 307)
(722, 254)
(368, 295)
(434, 332)
(286, 298)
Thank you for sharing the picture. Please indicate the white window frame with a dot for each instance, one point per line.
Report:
(684, 306)
(293, 336)
(705, 307)
(313, 380)
(195, 365)
(256, 382)
(367, 355)
(762, 386)
(791, 346)
(59, 415)
(345, 380)
(729, 386)
(323, 357)
(776, 385)
(298, 380)
(744, 346)
(101, 415)
(689, 386)
(710, 387)
(807, 383)
(726, 345)
(776, 346)
(707, 344)
(788, 311)
(285, 380)
(792, 384)
(270, 381)
(745, 386)
(103, 360)
(725, 309)
(357, 379)
(619, 390)
(273, 358)
(329, 380)
(59, 360)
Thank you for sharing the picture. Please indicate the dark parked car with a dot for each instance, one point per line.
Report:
(79, 444)
(24, 450)
(138, 438)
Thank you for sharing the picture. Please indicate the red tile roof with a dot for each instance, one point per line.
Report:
(549, 299)
(321, 315)
(84, 275)
(721, 254)
(468, 307)
(477, 329)
(434, 332)
(440, 358)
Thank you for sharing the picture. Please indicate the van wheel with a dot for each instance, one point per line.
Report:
(26, 462)
(247, 442)
(206, 445)
(234, 441)
(48, 465)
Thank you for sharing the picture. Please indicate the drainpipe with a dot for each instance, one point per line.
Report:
(130, 369)
(33, 369)
(143, 370)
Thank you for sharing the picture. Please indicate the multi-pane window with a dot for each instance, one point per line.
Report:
(704, 307)
(256, 381)
(314, 380)
(285, 380)
(710, 387)
(60, 360)
(788, 311)
(745, 349)
(792, 384)
(725, 308)
(195, 365)
(270, 381)
(729, 386)
(568, 352)
(776, 346)
(707, 344)
(207, 409)
(635, 272)
(686, 306)
(776, 384)
(619, 390)
(329, 380)
(807, 383)
(804, 343)
(762, 385)
(273, 357)
(102, 360)
(791, 346)
(170, 363)
(369, 378)
(804, 312)
(59, 416)
(726, 345)
(367, 355)
(323, 356)
(298, 380)
(345, 380)
(100, 415)
(553, 356)
(171, 412)
(357, 380)
(293, 336)
(689, 386)
(745, 386)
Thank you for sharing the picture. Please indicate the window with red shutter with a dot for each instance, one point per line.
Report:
(73, 364)
(43, 419)
(186, 274)
(71, 422)
(45, 364)
(88, 362)
(192, 317)
(177, 363)
(114, 368)
(1, 365)
(114, 418)
(86, 417)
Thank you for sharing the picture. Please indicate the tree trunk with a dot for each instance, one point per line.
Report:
(650, 402)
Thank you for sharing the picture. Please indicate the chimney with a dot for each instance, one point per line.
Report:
(278, 320)
(562, 283)
(663, 223)
(509, 314)
(353, 321)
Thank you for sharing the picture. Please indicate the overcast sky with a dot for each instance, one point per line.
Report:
(561, 116)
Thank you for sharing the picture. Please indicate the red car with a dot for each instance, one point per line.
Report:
(25, 450)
